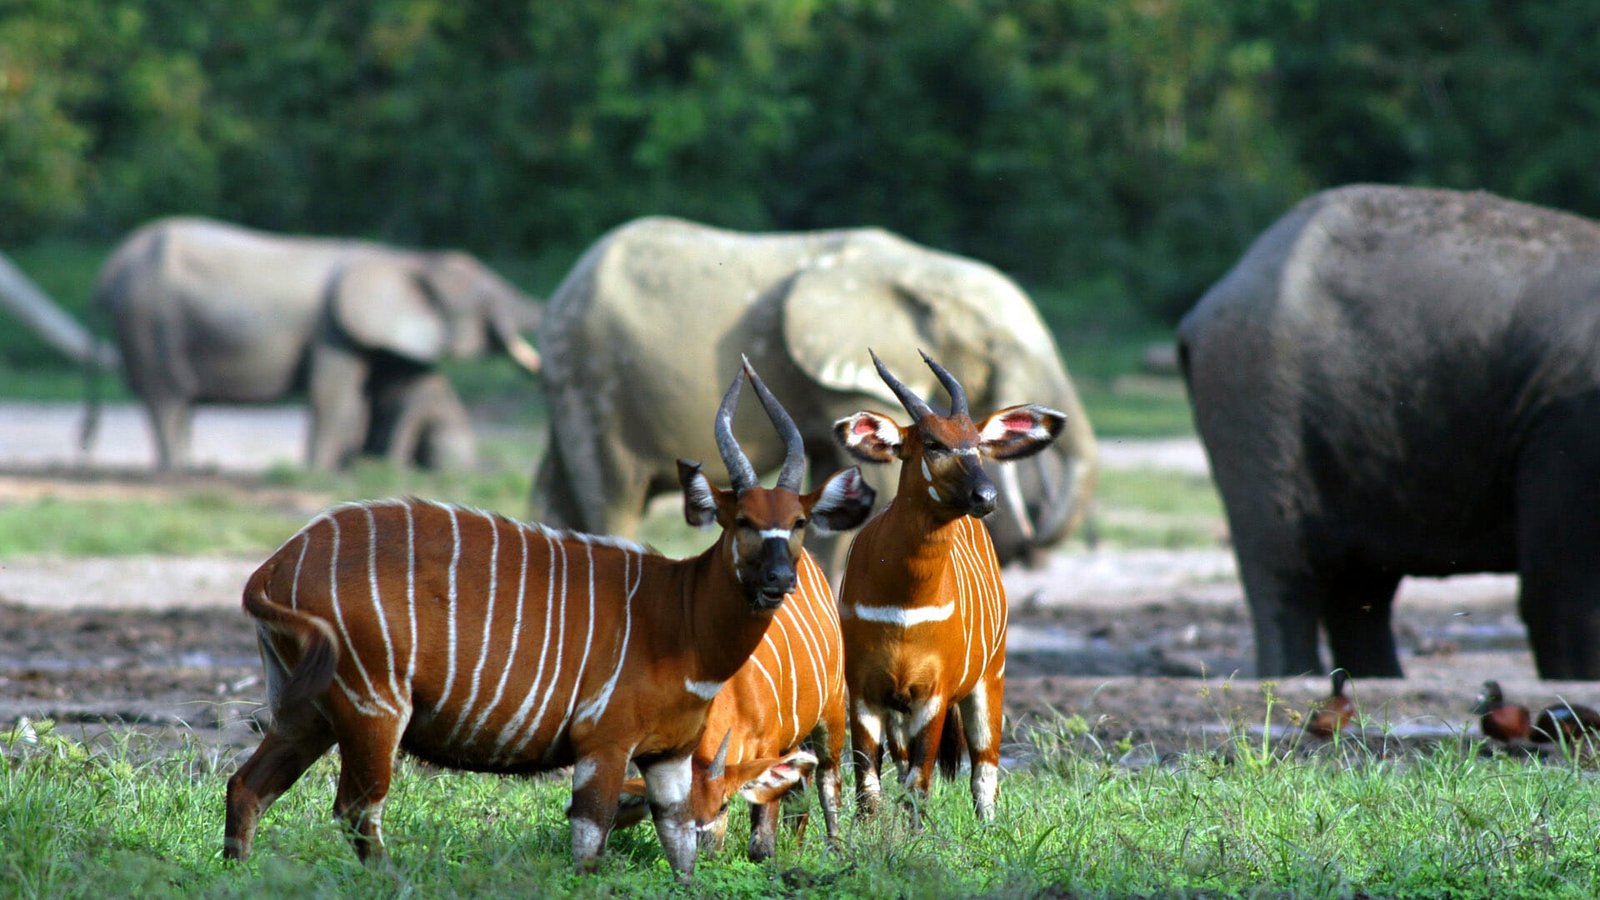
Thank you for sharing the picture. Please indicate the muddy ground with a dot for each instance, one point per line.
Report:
(1151, 648)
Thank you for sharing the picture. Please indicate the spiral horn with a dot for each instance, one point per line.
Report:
(916, 406)
(740, 473)
(794, 456)
(958, 394)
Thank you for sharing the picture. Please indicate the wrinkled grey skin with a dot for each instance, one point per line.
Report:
(1406, 382)
(640, 337)
(205, 311)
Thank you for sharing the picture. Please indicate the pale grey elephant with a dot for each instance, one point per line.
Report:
(641, 334)
(1395, 382)
(207, 311)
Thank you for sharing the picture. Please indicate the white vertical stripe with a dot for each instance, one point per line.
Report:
(588, 644)
(561, 644)
(515, 723)
(354, 656)
(516, 634)
(377, 603)
(450, 615)
(488, 631)
(294, 588)
(411, 593)
(597, 707)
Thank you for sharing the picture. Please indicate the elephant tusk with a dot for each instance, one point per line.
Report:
(524, 354)
(1013, 489)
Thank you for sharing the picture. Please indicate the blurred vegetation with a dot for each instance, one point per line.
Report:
(1125, 151)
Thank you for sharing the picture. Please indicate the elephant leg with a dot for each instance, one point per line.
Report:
(553, 501)
(171, 418)
(1357, 619)
(418, 419)
(338, 406)
(1558, 541)
(1284, 611)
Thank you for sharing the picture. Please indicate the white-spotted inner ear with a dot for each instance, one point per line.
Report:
(1019, 431)
(869, 436)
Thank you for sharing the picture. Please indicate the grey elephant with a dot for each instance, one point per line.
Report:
(1397, 382)
(641, 333)
(208, 311)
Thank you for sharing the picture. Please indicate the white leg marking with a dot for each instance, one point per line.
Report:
(667, 783)
(587, 839)
(583, 772)
(985, 786)
(869, 721)
(925, 714)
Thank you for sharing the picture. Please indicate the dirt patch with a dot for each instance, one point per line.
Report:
(1152, 649)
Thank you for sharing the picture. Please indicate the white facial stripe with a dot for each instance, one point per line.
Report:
(927, 474)
(934, 494)
(782, 534)
(705, 690)
(966, 451)
(905, 618)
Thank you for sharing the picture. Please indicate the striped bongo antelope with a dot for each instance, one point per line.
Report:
(790, 691)
(922, 606)
(476, 642)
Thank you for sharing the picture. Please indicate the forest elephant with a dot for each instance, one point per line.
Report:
(205, 311)
(1396, 382)
(640, 334)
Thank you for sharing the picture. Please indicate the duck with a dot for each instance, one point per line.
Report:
(1334, 712)
(1566, 723)
(1502, 721)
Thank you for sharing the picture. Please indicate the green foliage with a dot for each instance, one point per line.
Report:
(1133, 146)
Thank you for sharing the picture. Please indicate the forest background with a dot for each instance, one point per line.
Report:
(1125, 152)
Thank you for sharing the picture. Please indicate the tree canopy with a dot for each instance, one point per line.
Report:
(1135, 145)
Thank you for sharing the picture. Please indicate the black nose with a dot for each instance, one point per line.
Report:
(984, 499)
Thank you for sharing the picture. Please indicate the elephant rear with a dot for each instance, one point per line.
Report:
(1372, 381)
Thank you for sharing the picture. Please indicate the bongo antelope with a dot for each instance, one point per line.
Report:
(791, 689)
(921, 605)
(476, 642)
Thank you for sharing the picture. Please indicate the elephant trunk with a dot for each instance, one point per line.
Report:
(1046, 495)
(505, 329)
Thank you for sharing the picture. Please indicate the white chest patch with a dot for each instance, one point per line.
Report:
(905, 618)
(705, 690)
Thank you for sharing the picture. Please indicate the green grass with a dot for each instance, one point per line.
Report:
(250, 516)
(1157, 508)
(1444, 821)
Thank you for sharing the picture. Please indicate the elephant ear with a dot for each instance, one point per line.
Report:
(382, 304)
(831, 317)
(892, 303)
